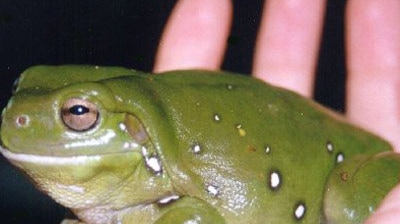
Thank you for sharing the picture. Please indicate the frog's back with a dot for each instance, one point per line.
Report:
(254, 150)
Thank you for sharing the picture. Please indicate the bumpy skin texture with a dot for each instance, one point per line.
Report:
(120, 146)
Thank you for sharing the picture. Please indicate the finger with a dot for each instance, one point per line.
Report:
(388, 212)
(287, 43)
(195, 35)
(373, 60)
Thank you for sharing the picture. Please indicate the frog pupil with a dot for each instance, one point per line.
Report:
(78, 110)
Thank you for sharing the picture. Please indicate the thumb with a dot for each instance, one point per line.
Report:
(389, 210)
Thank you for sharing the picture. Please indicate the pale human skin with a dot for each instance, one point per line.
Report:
(286, 54)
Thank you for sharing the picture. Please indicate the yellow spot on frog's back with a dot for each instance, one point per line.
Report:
(344, 176)
(251, 148)
(241, 131)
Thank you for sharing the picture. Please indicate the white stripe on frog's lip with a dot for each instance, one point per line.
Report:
(49, 160)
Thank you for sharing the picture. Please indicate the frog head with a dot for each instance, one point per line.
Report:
(71, 137)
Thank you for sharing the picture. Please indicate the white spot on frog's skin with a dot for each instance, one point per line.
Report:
(349, 212)
(119, 99)
(196, 148)
(329, 146)
(371, 209)
(274, 180)
(122, 126)
(339, 157)
(229, 87)
(299, 210)
(273, 108)
(212, 190)
(267, 149)
(195, 220)
(130, 145)
(168, 199)
(145, 153)
(242, 132)
(126, 145)
(152, 162)
(217, 118)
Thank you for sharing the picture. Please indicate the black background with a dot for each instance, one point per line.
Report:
(123, 33)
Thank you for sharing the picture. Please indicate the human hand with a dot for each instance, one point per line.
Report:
(286, 55)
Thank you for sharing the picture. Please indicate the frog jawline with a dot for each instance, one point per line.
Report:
(48, 160)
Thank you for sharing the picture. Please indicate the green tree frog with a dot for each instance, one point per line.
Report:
(121, 146)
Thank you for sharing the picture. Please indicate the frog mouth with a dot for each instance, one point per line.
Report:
(48, 160)
(151, 160)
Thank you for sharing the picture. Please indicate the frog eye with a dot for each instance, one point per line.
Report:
(79, 114)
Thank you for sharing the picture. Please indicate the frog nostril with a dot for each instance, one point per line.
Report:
(22, 120)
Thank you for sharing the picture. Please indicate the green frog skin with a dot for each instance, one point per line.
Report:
(121, 146)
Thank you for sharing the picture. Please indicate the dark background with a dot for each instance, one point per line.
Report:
(123, 33)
